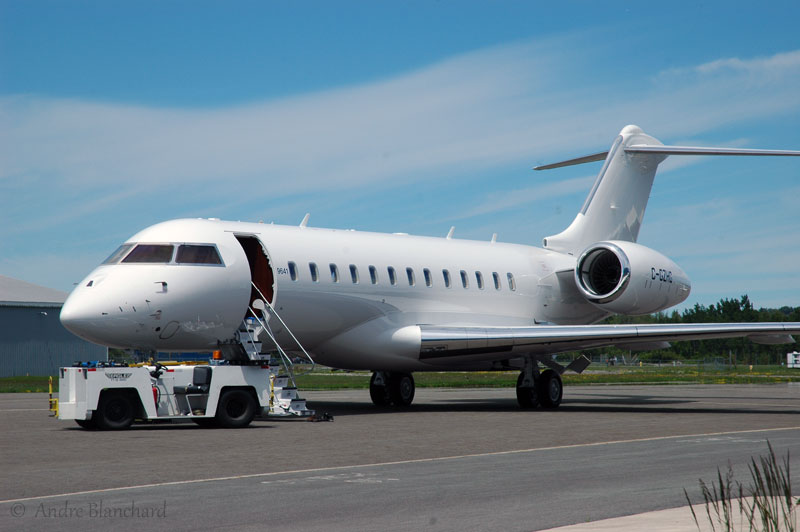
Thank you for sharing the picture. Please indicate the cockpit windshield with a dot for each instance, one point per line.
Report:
(197, 254)
(151, 253)
(118, 254)
(132, 253)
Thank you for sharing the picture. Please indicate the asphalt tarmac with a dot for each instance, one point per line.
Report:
(456, 460)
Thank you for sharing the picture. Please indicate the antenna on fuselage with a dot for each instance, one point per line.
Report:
(450, 232)
(304, 223)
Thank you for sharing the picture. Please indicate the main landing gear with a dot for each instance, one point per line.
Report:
(534, 388)
(391, 388)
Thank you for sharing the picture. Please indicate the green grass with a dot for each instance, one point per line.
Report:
(26, 384)
(325, 379)
(687, 374)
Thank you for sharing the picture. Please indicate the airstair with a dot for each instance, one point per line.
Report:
(284, 400)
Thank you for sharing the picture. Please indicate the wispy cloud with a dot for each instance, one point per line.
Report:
(506, 200)
(476, 111)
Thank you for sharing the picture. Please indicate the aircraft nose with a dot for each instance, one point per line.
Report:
(78, 318)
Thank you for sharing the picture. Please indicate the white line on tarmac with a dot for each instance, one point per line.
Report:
(751, 405)
(399, 462)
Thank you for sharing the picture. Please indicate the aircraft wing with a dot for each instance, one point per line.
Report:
(489, 343)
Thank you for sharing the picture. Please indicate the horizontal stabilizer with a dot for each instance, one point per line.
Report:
(691, 150)
(657, 149)
(579, 160)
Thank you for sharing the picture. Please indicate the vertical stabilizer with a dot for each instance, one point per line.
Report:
(615, 206)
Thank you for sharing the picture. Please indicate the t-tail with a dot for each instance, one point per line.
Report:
(615, 207)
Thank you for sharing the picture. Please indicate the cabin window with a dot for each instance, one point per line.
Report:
(479, 280)
(293, 271)
(496, 278)
(373, 275)
(512, 285)
(411, 280)
(446, 277)
(312, 267)
(118, 254)
(197, 254)
(354, 273)
(334, 273)
(150, 253)
(428, 278)
(392, 275)
(464, 279)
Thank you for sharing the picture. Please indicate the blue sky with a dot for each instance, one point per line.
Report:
(397, 117)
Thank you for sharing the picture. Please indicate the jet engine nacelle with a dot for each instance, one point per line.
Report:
(628, 278)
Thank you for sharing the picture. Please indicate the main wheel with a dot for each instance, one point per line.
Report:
(527, 397)
(379, 393)
(114, 411)
(401, 389)
(236, 409)
(550, 389)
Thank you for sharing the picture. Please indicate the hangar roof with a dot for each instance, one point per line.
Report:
(16, 293)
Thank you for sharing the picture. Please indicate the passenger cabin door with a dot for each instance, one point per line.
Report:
(260, 269)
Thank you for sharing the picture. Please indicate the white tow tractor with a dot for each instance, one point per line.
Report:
(112, 397)
(236, 386)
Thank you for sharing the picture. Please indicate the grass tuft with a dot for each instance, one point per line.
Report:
(766, 505)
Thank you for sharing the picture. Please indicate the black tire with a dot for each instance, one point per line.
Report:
(379, 394)
(401, 389)
(115, 411)
(550, 389)
(236, 409)
(527, 397)
(87, 424)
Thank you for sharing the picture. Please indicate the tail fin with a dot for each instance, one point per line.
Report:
(616, 203)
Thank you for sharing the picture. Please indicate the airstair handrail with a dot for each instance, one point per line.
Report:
(272, 337)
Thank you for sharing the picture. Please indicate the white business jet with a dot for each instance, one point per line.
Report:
(394, 304)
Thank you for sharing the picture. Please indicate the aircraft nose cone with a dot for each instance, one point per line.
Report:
(75, 317)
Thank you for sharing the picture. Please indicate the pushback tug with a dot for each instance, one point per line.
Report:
(227, 393)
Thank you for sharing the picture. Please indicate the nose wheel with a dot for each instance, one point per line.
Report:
(392, 389)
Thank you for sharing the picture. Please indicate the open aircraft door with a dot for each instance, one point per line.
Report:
(261, 274)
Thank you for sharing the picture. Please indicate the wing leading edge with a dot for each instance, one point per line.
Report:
(492, 343)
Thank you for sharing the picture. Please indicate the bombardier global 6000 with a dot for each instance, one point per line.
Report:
(395, 304)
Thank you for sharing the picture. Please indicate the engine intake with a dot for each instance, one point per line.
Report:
(603, 272)
(628, 278)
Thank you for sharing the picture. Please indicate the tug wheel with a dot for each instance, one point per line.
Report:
(114, 411)
(236, 409)
(87, 424)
